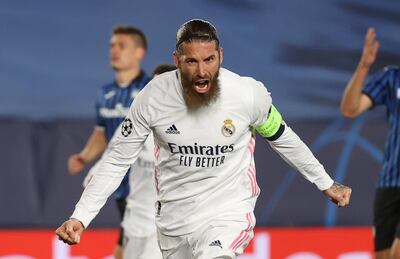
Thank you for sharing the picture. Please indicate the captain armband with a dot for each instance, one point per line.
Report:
(273, 127)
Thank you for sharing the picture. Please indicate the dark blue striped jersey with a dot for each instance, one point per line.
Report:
(112, 105)
(384, 89)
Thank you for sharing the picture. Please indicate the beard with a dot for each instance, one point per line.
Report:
(195, 100)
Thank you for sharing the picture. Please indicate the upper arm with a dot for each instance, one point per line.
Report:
(365, 104)
(100, 120)
(273, 127)
(261, 105)
(379, 90)
(267, 120)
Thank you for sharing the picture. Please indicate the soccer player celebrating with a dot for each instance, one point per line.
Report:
(203, 118)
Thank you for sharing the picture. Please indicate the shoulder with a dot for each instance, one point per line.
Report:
(387, 76)
(144, 78)
(164, 83)
(237, 79)
(243, 86)
(106, 90)
(160, 86)
(388, 71)
(391, 68)
(108, 86)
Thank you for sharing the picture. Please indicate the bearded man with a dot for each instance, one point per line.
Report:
(203, 118)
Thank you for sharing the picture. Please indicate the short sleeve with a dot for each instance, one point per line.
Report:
(100, 121)
(377, 89)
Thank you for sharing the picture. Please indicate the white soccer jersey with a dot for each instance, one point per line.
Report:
(204, 165)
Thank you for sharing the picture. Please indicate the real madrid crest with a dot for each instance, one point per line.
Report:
(228, 129)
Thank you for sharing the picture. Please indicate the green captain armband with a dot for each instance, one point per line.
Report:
(273, 127)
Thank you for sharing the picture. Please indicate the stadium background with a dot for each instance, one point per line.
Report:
(54, 57)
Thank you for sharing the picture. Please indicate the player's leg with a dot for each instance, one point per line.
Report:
(174, 247)
(142, 247)
(382, 254)
(395, 249)
(137, 247)
(130, 247)
(118, 251)
(386, 217)
(224, 238)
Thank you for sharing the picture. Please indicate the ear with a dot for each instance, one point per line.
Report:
(220, 56)
(140, 53)
(176, 58)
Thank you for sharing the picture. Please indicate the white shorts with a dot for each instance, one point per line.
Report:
(224, 238)
(141, 247)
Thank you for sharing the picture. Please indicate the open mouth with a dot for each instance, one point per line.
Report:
(202, 86)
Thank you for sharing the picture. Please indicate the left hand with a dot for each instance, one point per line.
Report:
(339, 194)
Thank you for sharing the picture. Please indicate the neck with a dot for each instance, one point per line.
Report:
(124, 77)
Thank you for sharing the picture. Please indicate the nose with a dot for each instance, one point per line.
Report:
(201, 69)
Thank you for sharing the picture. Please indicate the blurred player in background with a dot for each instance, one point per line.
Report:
(203, 118)
(382, 89)
(128, 46)
(140, 234)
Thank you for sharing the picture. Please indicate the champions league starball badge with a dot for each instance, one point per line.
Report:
(228, 129)
(126, 127)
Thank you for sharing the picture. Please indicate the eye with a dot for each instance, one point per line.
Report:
(191, 61)
(209, 59)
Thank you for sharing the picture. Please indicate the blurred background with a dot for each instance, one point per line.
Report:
(54, 58)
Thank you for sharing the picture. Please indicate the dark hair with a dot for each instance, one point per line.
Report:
(196, 29)
(137, 35)
(162, 68)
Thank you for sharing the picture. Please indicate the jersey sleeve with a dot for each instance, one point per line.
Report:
(121, 153)
(378, 87)
(100, 122)
(270, 125)
(293, 150)
(261, 104)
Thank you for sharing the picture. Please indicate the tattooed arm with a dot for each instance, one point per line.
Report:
(339, 194)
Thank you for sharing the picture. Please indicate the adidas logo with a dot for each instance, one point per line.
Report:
(172, 130)
(216, 243)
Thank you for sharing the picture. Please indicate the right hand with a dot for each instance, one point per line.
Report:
(339, 194)
(70, 231)
(371, 46)
(75, 164)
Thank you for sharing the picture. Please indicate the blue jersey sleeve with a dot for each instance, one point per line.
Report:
(100, 121)
(379, 86)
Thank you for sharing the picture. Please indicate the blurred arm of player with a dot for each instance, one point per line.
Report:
(354, 102)
(94, 147)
